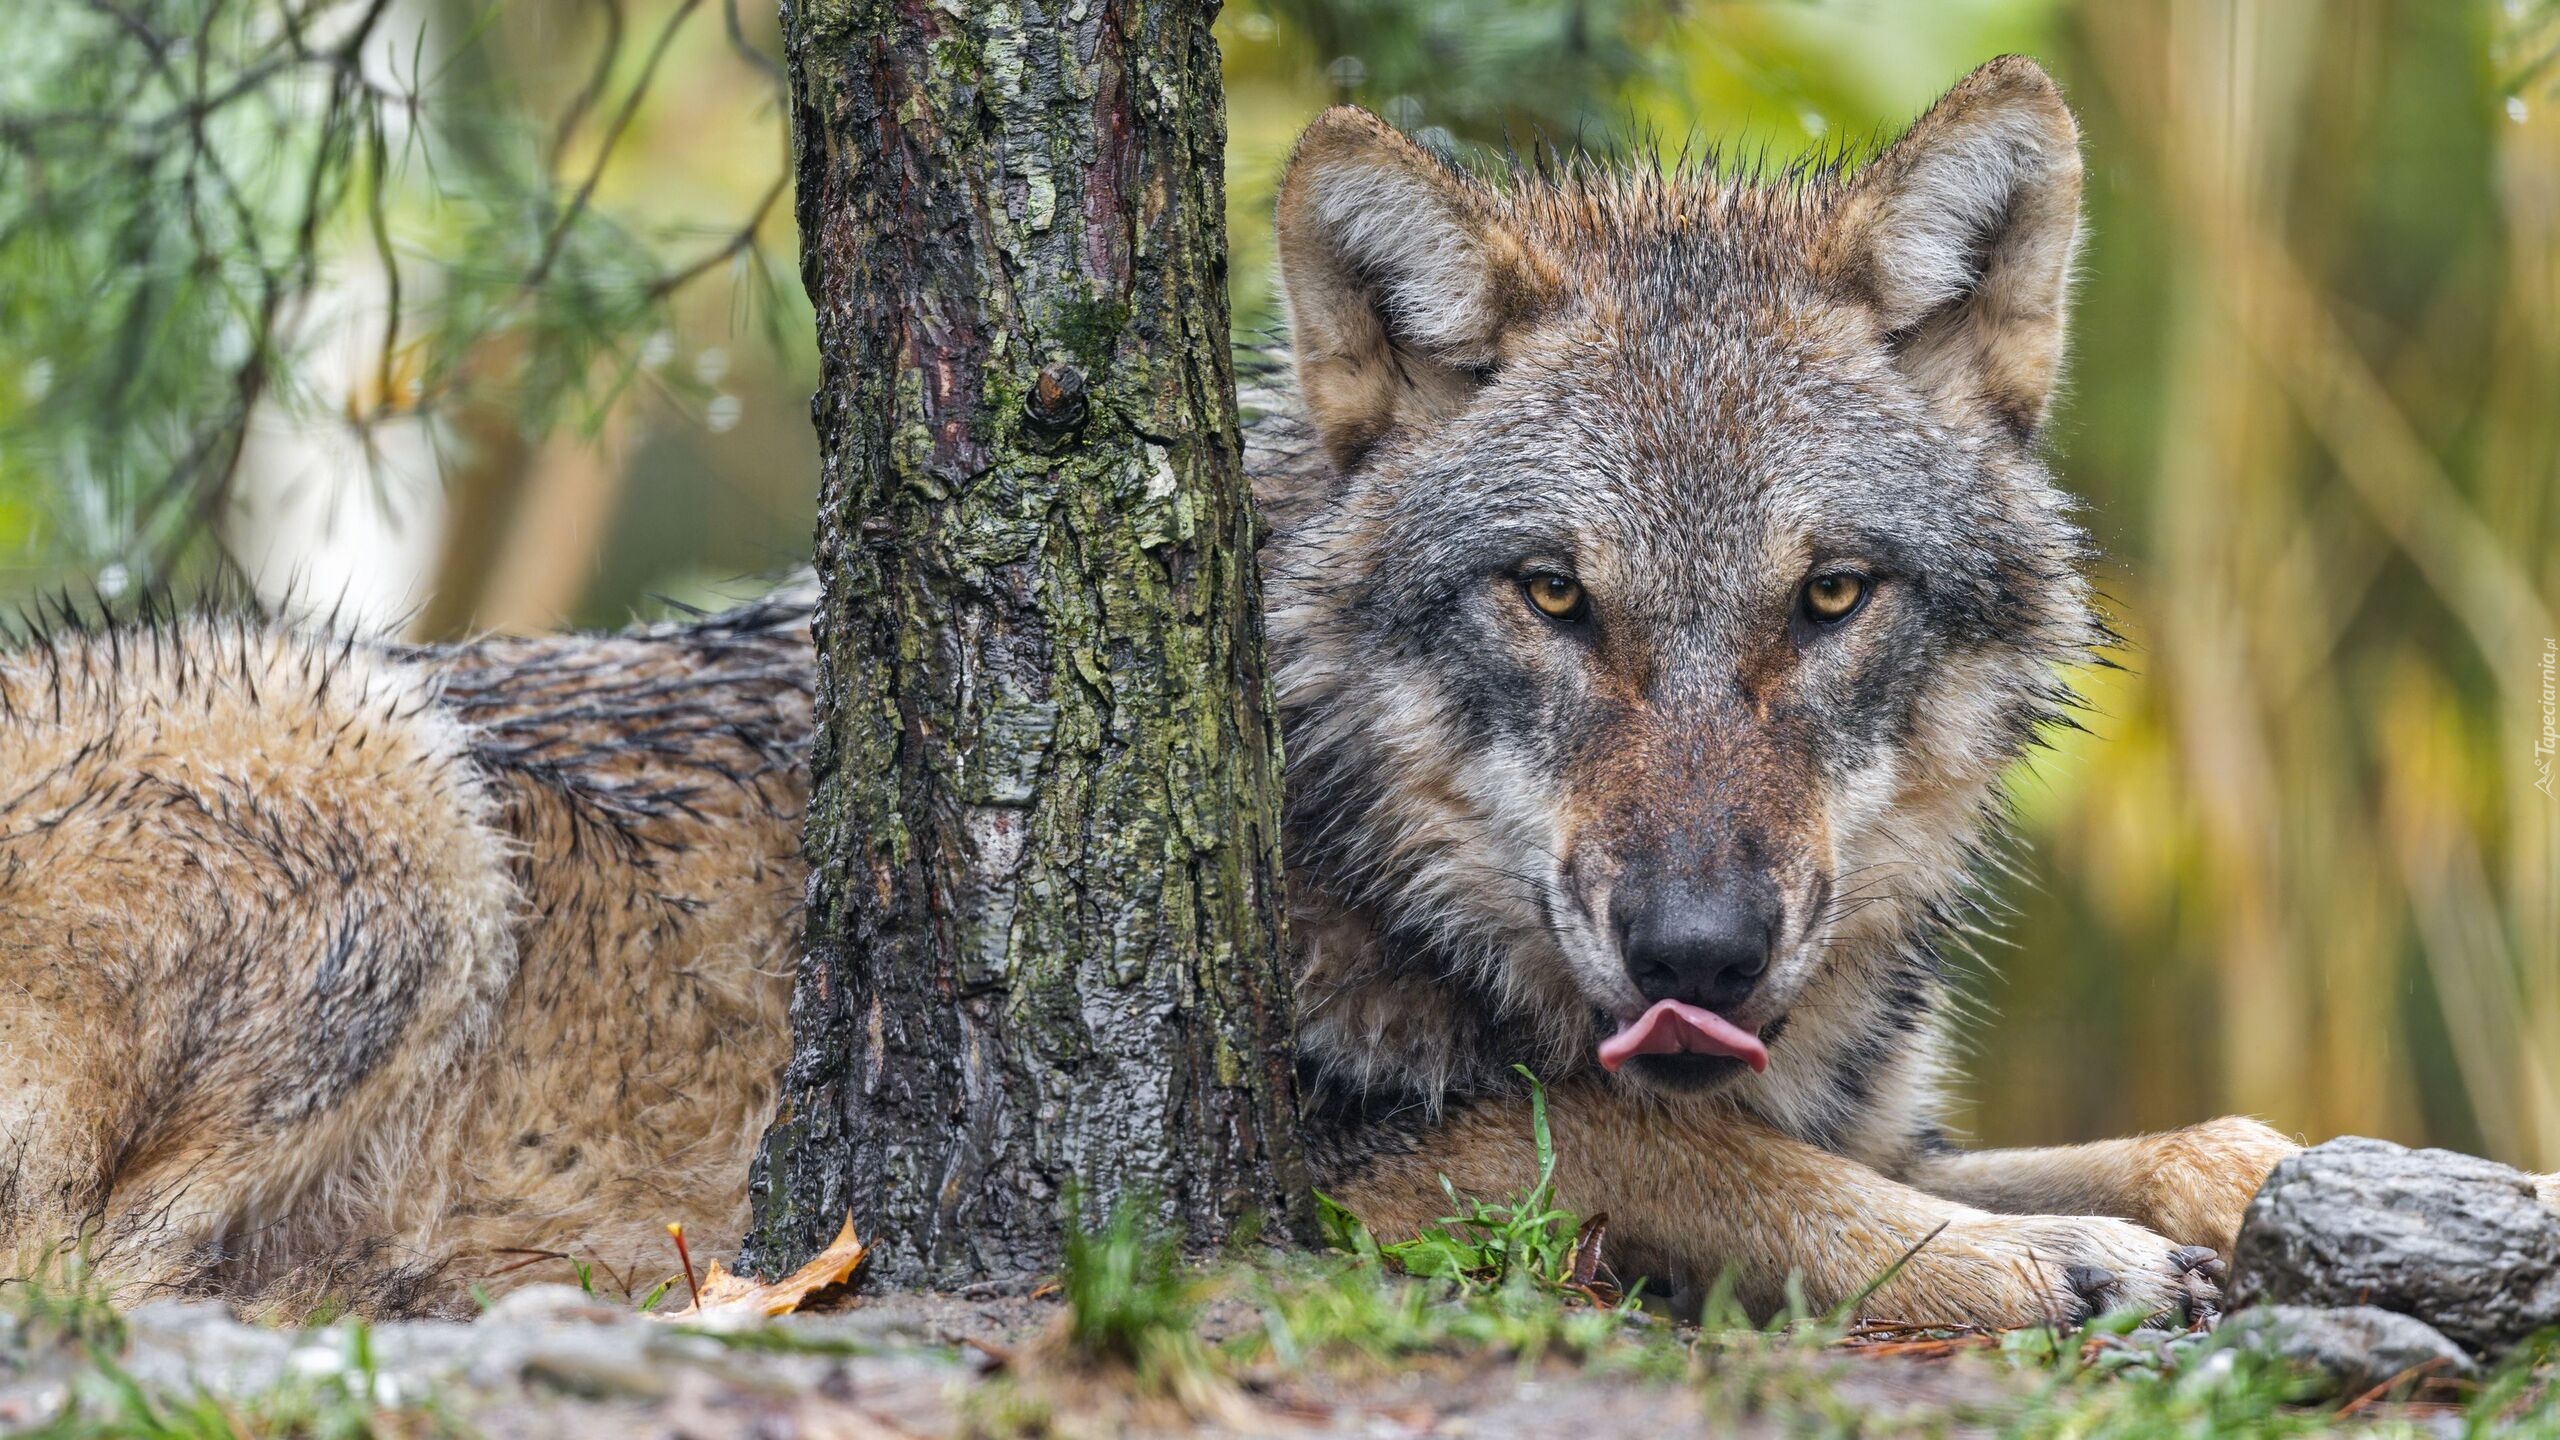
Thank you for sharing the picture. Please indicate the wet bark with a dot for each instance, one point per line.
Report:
(1042, 938)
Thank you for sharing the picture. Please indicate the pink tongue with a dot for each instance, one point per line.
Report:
(1671, 1028)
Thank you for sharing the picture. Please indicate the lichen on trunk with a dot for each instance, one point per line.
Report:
(1043, 937)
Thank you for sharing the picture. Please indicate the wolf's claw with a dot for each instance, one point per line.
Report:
(2090, 1282)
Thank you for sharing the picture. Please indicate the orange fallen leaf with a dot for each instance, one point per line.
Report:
(724, 1294)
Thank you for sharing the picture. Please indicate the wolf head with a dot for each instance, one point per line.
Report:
(1677, 574)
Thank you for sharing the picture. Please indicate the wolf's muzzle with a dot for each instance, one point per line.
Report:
(1704, 941)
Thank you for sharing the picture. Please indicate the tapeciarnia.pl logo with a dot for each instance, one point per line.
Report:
(2548, 741)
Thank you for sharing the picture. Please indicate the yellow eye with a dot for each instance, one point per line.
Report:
(1831, 598)
(1557, 597)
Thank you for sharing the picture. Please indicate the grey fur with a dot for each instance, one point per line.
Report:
(1692, 419)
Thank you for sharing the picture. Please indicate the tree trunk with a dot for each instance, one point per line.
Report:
(1043, 937)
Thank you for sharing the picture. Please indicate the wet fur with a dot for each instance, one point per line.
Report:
(1691, 392)
(334, 969)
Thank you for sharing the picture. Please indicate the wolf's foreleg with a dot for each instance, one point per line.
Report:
(1694, 1190)
(2191, 1185)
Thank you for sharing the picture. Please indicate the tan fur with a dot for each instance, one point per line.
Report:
(2191, 1185)
(151, 969)
(1682, 1179)
(336, 970)
(594, 1038)
(306, 1001)
(1457, 279)
(633, 1063)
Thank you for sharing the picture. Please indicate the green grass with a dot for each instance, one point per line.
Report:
(1133, 1302)
(1488, 1290)
(60, 1302)
(1495, 1279)
(1480, 1246)
(353, 1401)
(1337, 1311)
(1128, 1292)
(2226, 1391)
(62, 1311)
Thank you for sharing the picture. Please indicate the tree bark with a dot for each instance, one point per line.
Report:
(1043, 944)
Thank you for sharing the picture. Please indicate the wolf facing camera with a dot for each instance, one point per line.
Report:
(1660, 576)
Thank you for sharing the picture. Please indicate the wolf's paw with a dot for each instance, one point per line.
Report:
(2004, 1271)
(2203, 1178)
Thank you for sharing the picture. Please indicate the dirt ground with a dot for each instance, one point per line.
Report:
(552, 1364)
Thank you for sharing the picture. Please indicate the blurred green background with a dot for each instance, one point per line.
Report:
(2298, 866)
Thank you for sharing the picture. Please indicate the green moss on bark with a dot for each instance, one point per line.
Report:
(1043, 934)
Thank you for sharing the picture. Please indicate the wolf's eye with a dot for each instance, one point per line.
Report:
(1835, 596)
(1558, 597)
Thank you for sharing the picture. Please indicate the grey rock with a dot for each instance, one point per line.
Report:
(577, 1365)
(2464, 1244)
(547, 1364)
(2357, 1347)
(549, 1302)
(187, 1345)
(178, 1319)
(437, 1347)
(32, 1404)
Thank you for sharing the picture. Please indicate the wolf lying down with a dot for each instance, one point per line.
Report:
(1665, 583)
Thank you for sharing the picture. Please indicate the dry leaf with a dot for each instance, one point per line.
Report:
(1589, 1275)
(724, 1294)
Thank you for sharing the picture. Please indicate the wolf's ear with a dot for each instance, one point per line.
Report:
(1401, 280)
(1960, 239)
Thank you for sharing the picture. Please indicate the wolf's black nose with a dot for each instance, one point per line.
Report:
(1704, 946)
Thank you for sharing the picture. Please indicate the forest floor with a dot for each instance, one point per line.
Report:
(1501, 1321)
(1298, 1345)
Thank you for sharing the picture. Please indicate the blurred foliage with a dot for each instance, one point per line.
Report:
(1482, 71)
(341, 215)
(2299, 868)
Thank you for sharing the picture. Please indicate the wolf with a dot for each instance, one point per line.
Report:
(1663, 575)
(1660, 574)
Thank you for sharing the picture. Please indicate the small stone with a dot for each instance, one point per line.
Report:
(2463, 1244)
(188, 1344)
(550, 1302)
(425, 1346)
(25, 1407)
(593, 1374)
(2356, 1347)
(178, 1317)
